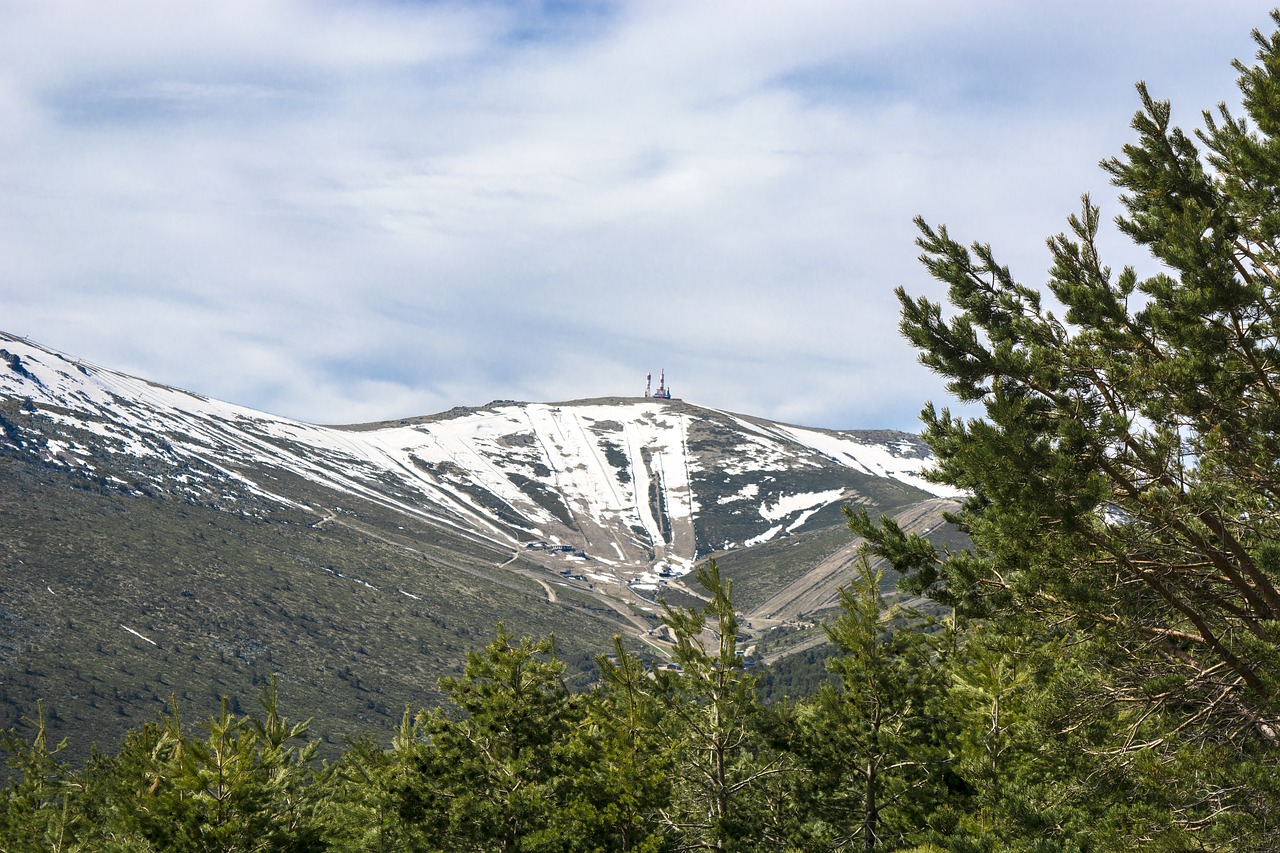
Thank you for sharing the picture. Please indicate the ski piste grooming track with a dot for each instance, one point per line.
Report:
(818, 588)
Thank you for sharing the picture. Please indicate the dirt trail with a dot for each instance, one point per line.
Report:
(551, 593)
(625, 621)
(813, 591)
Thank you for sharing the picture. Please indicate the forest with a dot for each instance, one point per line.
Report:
(1105, 677)
(927, 738)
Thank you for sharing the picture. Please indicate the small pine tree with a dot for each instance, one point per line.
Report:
(728, 777)
(876, 742)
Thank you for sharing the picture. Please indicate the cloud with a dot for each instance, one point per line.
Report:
(343, 211)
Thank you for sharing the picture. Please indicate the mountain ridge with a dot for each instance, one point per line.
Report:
(180, 527)
(511, 455)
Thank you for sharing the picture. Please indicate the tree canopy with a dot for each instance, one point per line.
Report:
(1124, 476)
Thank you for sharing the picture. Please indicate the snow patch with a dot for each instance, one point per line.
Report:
(763, 537)
(801, 519)
(876, 459)
(789, 504)
(139, 636)
(746, 493)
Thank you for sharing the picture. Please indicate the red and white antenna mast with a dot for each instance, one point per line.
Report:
(663, 392)
(648, 383)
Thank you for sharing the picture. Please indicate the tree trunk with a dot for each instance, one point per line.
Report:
(870, 809)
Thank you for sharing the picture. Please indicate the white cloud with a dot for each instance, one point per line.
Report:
(432, 204)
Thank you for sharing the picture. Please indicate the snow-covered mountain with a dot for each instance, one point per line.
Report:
(156, 543)
(628, 486)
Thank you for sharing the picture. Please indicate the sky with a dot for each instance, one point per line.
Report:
(345, 212)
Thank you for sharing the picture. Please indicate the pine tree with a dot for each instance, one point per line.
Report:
(876, 742)
(246, 786)
(1125, 474)
(495, 753)
(38, 806)
(726, 770)
(622, 775)
(375, 800)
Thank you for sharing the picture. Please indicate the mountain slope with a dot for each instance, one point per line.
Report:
(158, 539)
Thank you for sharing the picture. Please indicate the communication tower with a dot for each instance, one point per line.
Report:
(663, 392)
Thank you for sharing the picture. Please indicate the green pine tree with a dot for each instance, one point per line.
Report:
(248, 785)
(1125, 472)
(38, 808)
(376, 800)
(495, 753)
(728, 777)
(622, 775)
(877, 743)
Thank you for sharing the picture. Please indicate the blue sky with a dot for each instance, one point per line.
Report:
(351, 211)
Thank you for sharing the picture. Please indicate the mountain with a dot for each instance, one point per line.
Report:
(154, 542)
